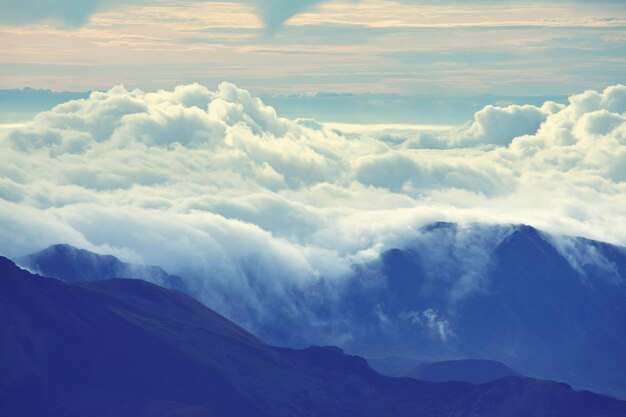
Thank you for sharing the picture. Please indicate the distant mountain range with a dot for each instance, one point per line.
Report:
(475, 371)
(129, 348)
(550, 307)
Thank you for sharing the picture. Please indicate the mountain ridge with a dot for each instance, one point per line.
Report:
(126, 347)
(550, 307)
(475, 371)
(69, 263)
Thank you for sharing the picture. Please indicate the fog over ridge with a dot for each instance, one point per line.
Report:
(216, 184)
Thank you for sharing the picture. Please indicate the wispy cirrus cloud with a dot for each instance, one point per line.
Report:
(71, 12)
(378, 13)
(75, 13)
(340, 46)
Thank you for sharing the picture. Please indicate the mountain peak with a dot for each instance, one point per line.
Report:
(526, 230)
(7, 265)
(439, 226)
(68, 263)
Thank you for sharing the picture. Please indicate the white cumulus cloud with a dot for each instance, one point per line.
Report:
(217, 187)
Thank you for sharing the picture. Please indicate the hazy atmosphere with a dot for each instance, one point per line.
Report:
(283, 46)
(208, 179)
(273, 154)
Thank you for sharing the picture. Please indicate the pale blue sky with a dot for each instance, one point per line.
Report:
(371, 46)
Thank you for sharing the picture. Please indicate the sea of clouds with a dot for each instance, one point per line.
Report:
(216, 187)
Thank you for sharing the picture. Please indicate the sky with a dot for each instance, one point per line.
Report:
(446, 48)
(188, 135)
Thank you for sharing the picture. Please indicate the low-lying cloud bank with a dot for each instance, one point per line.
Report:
(215, 184)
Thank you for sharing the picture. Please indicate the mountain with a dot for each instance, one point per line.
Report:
(393, 366)
(71, 264)
(550, 307)
(130, 348)
(476, 371)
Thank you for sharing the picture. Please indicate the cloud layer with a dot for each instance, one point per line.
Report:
(369, 47)
(273, 13)
(215, 186)
(70, 12)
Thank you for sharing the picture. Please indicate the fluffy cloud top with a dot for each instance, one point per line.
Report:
(214, 185)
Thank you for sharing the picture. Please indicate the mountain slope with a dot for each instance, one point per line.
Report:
(68, 263)
(468, 370)
(551, 307)
(130, 348)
